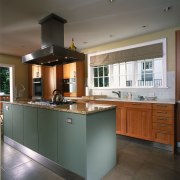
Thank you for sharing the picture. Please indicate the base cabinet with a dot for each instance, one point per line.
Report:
(31, 128)
(72, 142)
(17, 123)
(48, 133)
(139, 123)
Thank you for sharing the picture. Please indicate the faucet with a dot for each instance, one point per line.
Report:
(118, 93)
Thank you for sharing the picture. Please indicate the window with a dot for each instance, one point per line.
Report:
(101, 76)
(149, 72)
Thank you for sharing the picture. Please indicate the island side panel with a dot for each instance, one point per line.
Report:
(72, 142)
(48, 133)
(101, 144)
(7, 112)
(31, 128)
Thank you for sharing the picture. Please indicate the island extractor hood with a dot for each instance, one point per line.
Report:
(52, 50)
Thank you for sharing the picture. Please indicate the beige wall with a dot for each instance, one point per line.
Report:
(21, 70)
(169, 34)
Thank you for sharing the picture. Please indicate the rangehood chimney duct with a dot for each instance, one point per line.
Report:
(52, 50)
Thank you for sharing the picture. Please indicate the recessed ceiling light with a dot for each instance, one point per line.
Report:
(144, 26)
(111, 1)
(168, 8)
(111, 35)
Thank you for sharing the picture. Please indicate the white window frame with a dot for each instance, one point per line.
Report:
(164, 59)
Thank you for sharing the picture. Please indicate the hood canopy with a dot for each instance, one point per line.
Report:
(52, 50)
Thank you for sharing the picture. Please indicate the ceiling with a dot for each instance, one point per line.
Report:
(90, 23)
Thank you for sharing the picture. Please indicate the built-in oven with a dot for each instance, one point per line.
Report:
(37, 87)
(69, 85)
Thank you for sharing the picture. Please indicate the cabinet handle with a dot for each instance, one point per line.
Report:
(160, 112)
(163, 118)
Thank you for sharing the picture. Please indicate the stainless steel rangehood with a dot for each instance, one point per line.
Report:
(52, 50)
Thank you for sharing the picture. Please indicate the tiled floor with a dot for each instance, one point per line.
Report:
(135, 162)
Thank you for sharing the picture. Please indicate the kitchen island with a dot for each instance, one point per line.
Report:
(79, 137)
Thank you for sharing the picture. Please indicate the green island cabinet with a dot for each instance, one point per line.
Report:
(17, 123)
(48, 133)
(31, 127)
(82, 143)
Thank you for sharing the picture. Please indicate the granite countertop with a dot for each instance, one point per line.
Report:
(79, 108)
(163, 101)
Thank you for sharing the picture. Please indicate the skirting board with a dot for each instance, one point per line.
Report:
(53, 166)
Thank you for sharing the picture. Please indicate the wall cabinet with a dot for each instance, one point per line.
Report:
(75, 70)
(31, 128)
(51, 79)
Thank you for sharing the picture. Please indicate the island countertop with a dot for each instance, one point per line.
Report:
(80, 108)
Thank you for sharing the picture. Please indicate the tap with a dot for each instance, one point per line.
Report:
(118, 93)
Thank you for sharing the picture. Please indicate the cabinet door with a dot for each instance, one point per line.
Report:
(17, 112)
(36, 71)
(72, 136)
(66, 71)
(47, 128)
(49, 81)
(7, 112)
(30, 128)
(120, 120)
(72, 70)
(139, 123)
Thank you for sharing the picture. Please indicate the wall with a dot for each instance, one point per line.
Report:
(21, 70)
(169, 34)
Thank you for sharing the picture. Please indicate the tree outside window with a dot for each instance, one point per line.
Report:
(4, 80)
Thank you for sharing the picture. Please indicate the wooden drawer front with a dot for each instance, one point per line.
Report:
(162, 137)
(162, 119)
(138, 105)
(164, 127)
(167, 107)
(163, 113)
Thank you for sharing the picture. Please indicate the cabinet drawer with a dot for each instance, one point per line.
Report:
(162, 119)
(164, 127)
(138, 105)
(162, 137)
(162, 113)
(168, 107)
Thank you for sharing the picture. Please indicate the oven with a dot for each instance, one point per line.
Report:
(69, 85)
(37, 87)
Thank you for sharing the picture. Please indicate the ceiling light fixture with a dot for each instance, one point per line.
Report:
(166, 9)
(111, 1)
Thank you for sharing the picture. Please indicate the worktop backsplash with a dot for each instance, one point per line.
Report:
(160, 93)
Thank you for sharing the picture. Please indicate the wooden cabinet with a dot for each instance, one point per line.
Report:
(163, 123)
(139, 120)
(75, 70)
(30, 128)
(36, 71)
(49, 81)
(69, 70)
(17, 123)
(47, 128)
(7, 113)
